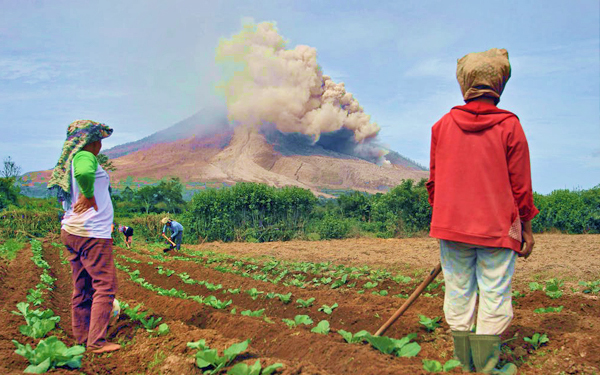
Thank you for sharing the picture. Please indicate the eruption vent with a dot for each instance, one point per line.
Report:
(269, 84)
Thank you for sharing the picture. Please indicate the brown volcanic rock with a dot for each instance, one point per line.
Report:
(245, 155)
(188, 159)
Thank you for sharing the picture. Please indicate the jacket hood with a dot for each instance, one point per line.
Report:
(476, 116)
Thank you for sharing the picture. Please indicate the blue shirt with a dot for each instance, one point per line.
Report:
(176, 228)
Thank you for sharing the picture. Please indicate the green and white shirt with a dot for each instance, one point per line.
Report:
(89, 179)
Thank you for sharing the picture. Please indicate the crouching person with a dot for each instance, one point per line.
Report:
(83, 188)
(481, 194)
(176, 233)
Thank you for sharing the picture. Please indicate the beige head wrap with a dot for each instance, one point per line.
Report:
(165, 220)
(483, 74)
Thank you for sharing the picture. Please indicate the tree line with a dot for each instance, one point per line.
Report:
(255, 212)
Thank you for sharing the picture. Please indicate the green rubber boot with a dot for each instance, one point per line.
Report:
(462, 350)
(486, 355)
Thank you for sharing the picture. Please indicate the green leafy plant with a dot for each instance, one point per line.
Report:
(380, 292)
(163, 329)
(400, 279)
(400, 348)
(430, 324)
(435, 366)
(213, 301)
(256, 313)
(305, 303)
(516, 294)
(211, 363)
(370, 285)
(213, 287)
(322, 327)
(254, 293)
(233, 291)
(39, 322)
(544, 310)
(357, 337)
(298, 319)
(553, 288)
(537, 340)
(150, 323)
(35, 296)
(48, 354)
(338, 283)
(200, 344)
(591, 286)
(285, 298)
(328, 309)
(255, 369)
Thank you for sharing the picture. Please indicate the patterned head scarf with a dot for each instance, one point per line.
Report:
(483, 74)
(79, 134)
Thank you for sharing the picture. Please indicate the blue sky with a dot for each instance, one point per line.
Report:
(141, 66)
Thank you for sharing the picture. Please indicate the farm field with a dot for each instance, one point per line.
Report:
(264, 292)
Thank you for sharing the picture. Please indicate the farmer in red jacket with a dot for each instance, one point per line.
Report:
(480, 191)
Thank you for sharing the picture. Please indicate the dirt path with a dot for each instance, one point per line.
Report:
(570, 257)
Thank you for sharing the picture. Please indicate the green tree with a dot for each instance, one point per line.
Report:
(106, 164)
(146, 197)
(9, 191)
(10, 169)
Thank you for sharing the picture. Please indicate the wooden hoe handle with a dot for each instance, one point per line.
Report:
(168, 239)
(432, 275)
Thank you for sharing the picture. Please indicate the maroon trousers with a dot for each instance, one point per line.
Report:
(94, 287)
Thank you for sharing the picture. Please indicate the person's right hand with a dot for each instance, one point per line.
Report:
(528, 240)
(83, 204)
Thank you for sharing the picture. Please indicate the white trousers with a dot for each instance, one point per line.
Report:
(470, 270)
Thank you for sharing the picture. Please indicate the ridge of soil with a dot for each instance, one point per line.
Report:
(574, 333)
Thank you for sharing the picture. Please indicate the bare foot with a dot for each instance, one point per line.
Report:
(108, 347)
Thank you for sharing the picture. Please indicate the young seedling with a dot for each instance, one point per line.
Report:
(150, 323)
(328, 309)
(435, 366)
(591, 286)
(380, 292)
(430, 324)
(537, 340)
(357, 337)
(305, 303)
(553, 288)
(254, 293)
(400, 348)
(211, 363)
(298, 319)
(48, 354)
(322, 327)
(256, 313)
(163, 329)
(255, 369)
(285, 298)
(544, 310)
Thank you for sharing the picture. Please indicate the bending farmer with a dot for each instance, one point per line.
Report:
(82, 186)
(481, 194)
(176, 233)
(127, 234)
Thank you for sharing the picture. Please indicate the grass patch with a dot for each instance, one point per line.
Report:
(9, 249)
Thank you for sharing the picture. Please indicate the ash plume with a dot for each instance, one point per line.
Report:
(269, 84)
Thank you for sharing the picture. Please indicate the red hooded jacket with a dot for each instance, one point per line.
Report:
(480, 179)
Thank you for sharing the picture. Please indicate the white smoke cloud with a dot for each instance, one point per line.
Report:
(286, 87)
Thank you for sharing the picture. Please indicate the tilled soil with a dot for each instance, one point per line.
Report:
(574, 333)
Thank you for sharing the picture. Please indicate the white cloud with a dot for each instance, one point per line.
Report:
(29, 70)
